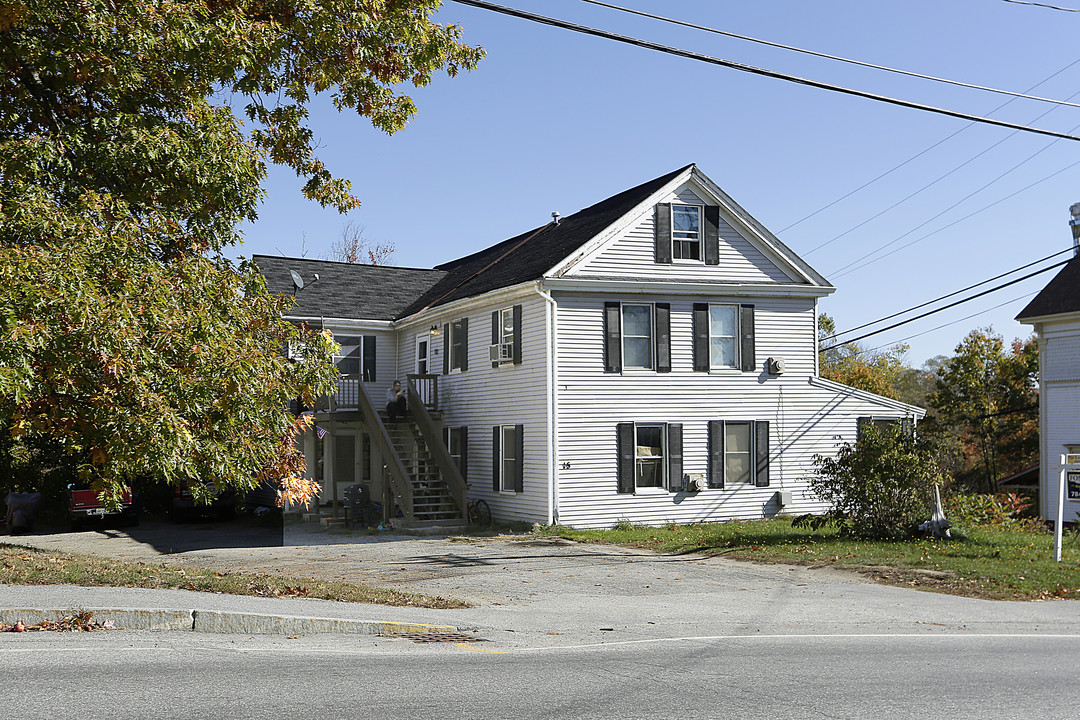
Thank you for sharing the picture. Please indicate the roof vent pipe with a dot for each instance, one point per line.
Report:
(1074, 224)
(555, 216)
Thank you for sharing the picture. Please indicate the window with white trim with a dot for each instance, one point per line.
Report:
(456, 440)
(738, 452)
(686, 232)
(649, 444)
(637, 336)
(724, 336)
(508, 467)
(456, 346)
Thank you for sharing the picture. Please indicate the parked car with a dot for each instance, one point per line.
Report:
(85, 507)
(184, 506)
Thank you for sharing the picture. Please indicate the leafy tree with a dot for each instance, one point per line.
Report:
(127, 339)
(987, 397)
(883, 372)
(880, 487)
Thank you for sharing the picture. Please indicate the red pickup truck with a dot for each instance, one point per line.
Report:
(84, 507)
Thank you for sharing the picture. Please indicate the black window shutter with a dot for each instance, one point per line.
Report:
(519, 461)
(663, 337)
(716, 453)
(464, 344)
(624, 443)
(712, 235)
(464, 454)
(761, 448)
(663, 233)
(746, 332)
(368, 361)
(496, 334)
(496, 464)
(701, 337)
(446, 349)
(612, 338)
(675, 460)
(517, 334)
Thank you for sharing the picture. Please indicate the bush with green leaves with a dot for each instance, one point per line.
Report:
(880, 487)
(1002, 510)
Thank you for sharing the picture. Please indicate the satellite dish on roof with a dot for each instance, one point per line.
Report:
(297, 281)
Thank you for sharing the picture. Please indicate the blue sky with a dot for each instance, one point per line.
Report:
(554, 120)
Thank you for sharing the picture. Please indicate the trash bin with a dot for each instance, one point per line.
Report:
(359, 498)
(22, 511)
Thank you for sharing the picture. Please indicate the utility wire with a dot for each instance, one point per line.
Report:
(751, 69)
(946, 307)
(953, 322)
(917, 156)
(929, 185)
(830, 57)
(946, 297)
(1042, 5)
(955, 222)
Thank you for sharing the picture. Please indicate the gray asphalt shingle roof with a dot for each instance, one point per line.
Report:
(1061, 294)
(347, 290)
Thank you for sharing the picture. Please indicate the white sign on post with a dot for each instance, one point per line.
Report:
(1068, 487)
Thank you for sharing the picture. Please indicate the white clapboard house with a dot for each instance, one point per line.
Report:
(651, 358)
(1055, 313)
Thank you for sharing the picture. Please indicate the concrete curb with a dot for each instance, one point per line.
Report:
(213, 621)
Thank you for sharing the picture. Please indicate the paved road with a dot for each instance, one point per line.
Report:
(108, 675)
(558, 630)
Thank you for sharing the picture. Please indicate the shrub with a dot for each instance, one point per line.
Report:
(880, 487)
(1002, 510)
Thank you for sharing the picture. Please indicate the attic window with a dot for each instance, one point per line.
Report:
(686, 232)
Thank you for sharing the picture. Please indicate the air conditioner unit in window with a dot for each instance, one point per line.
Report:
(776, 366)
(502, 352)
(294, 350)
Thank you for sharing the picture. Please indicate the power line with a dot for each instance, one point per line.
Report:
(954, 222)
(946, 307)
(953, 322)
(946, 297)
(919, 155)
(751, 69)
(938, 179)
(829, 57)
(1038, 4)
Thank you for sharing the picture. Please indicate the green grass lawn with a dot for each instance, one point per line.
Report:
(985, 562)
(27, 566)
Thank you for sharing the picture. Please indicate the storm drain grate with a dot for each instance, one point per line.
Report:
(436, 637)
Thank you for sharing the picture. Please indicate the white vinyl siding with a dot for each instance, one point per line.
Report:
(633, 255)
(486, 397)
(804, 419)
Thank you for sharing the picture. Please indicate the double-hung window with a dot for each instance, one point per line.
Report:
(456, 440)
(507, 458)
(456, 346)
(686, 232)
(637, 337)
(738, 453)
(356, 356)
(649, 456)
(723, 336)
(506, 336)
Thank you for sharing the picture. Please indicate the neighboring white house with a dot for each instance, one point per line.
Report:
(1055, 313)
(651, 358)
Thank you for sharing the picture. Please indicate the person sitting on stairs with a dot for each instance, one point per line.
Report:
(395, 402)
